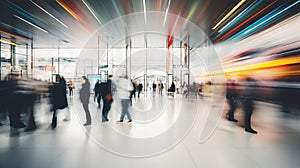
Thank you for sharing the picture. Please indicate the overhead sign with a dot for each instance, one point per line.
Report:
(103, 66)
(94, 76)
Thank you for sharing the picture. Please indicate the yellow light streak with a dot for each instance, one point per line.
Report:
(268, 64)
(229, 13)
(260, 66)
(7, 42)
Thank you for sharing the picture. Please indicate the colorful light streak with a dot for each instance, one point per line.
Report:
(229, 13)
(274, 65)
(68, 9)
(49, 14)
(245, 32)
(244, 22)
(264, 20)
(236, 17)
(264, 65)
(14, 36)
(92, 11)
(7, 42)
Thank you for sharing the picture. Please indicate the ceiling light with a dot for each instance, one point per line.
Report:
(49, 14)
(92, 11)
(166, 13)
(145, 16)
(31, 24)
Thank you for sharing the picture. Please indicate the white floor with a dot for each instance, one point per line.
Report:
(166, 132)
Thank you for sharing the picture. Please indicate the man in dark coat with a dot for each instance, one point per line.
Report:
(58, 99)
(106, 93)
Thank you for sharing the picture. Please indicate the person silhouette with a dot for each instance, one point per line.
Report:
(124, 87)
(106, 93)
(58, 99)
(231, 96)
(84, 95)
(248, 97)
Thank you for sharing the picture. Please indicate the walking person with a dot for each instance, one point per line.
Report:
(58, 99)
(124, 87)
(84, 95)
(231, 96)
(140, 88)
(71, 87)
(154, 87)
(132, 93)
(97, 95)
(106, 93)
(161, 88)
(248, 97)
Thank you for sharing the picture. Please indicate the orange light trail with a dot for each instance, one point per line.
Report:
(263, 65)
(158, 5)
(260, 66)
(69, 10)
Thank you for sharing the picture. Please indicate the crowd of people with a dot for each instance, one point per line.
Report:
(19, 95)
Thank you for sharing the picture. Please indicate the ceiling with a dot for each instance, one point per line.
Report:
(70, 23)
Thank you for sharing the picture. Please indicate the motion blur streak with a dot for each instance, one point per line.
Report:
(69, 10)
(244, 22)
(229, 13)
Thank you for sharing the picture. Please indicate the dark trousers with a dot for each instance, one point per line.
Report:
(87, 112)
(99, 100)
(105, 110)
(248, 108)
(54, 118)
(14, 115)
(232, 107)
(132, 94)
(70, 91)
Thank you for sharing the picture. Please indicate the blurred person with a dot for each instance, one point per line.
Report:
(63, 81)
(161, 88)
(5, 91)
(154, 87)
(71, 87)
(232, 97)
(58, 99)
(194, 89)
(140, 88)
(132, 93)
(21, 98)
(11, 101)
(124, 87)
(185, 90)
(172, 87)
(107, 98)
(84, 95)
(97, 95)
(247, 100)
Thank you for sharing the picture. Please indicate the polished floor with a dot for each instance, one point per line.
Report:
(166, 132)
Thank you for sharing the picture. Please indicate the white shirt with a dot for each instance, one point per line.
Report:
(124, 87)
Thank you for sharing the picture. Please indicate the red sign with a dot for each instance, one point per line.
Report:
(49, 68)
